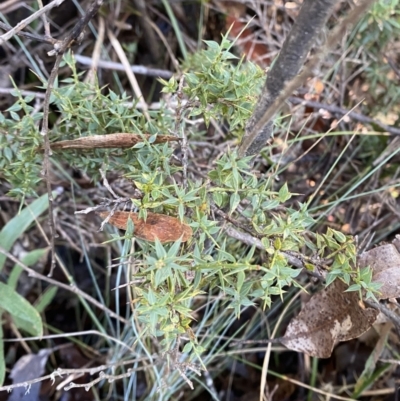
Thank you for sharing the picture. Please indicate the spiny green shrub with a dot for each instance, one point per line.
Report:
(172, 275)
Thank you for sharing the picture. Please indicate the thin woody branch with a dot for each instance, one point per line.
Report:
(344, 112)
(21, 25)
(60, 49)
(28, 35)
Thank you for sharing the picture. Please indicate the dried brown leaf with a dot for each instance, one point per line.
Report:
(117, 140)
(331, 315)
(161, 226)
(384, 261)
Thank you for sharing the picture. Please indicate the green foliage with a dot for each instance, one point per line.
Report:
(172, 275)
(222, 89)
(24, 314)
(20, 223)
(2, 359)
(83, 110)
(375, 31)
(20, 161)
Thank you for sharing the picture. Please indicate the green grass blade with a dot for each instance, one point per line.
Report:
(177, 30)
(29, 259)
(46, 299)
(24, 314)
(18, 224)
(2, 359)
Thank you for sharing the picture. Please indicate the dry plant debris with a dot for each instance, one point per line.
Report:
(385, 263)
(156, 226)
(333, 315)
(117, 140)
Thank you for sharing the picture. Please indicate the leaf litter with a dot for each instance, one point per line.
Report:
(333, 315)
(155, 226)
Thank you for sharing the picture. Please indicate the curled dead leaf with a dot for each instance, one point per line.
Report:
(117, 140)
(165, 228)
(331, 315)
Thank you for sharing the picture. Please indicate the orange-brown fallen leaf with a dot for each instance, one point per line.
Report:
(161, 226)
(118, 140)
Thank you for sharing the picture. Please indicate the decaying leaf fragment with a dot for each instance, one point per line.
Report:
(331, 315)
(161, 226)
(118, 140)
(384, 261)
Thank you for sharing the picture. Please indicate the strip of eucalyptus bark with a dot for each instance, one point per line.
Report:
(283, 77)
(108, 141)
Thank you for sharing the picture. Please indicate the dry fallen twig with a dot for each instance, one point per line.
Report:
(117, 140)
(112, 65)
(21, 25)
(28, 35)
(351, 114)
(129, 73)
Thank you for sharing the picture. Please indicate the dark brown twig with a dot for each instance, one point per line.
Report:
(60, 49)
(353, 115)
(393, 66)
(226, 217)
(393, 317)
(28, 35)
(21, 25)
(252, 241)
(178, 127)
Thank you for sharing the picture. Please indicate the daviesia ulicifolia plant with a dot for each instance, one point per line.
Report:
(217, 87)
